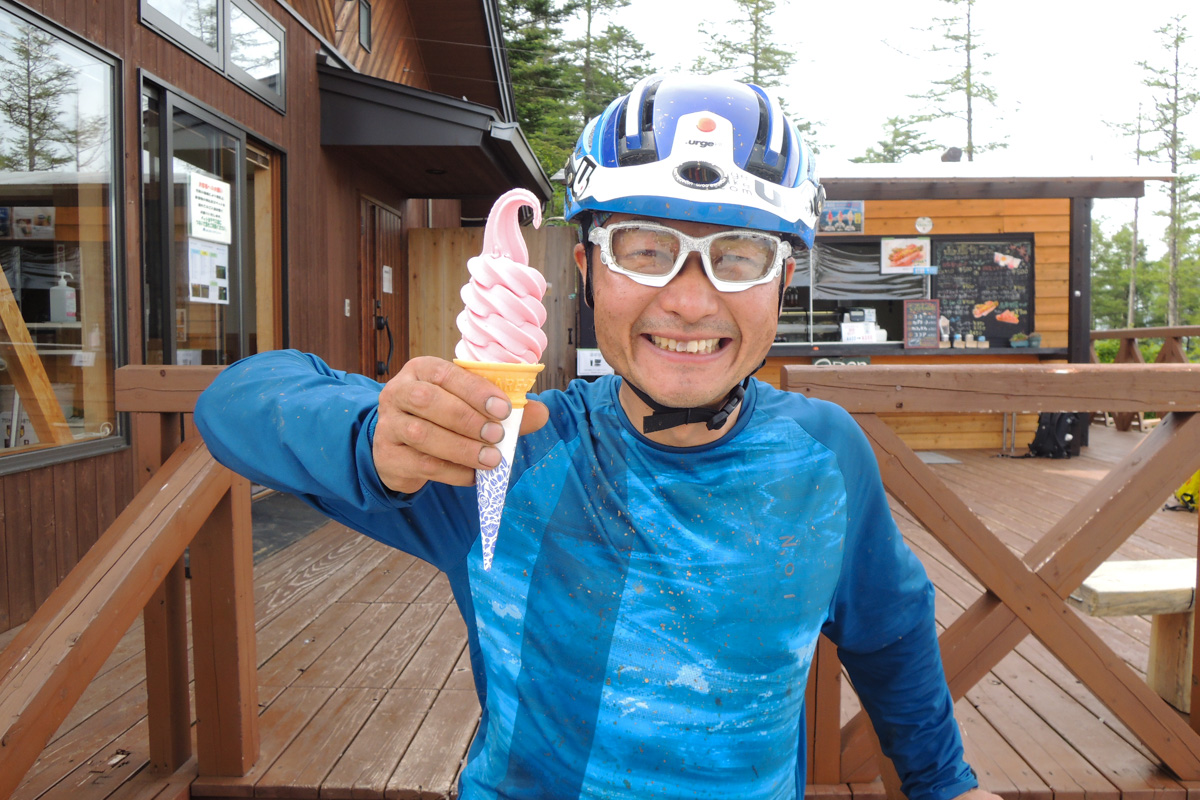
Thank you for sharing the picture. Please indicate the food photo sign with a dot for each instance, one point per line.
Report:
(905, 257)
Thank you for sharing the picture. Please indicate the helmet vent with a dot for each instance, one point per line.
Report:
(700, 175)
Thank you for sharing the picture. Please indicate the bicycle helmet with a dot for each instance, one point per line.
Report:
(698, 148)
(701, 149)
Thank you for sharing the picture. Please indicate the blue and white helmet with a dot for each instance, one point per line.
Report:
(704, 149)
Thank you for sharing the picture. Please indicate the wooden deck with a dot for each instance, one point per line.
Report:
(365, 689)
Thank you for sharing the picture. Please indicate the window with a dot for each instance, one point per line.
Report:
(364, 24)
(212, 232)
(58, 290)
(236, 37)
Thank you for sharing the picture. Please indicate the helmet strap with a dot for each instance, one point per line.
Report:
(667, 417)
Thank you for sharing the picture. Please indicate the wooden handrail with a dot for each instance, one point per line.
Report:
(137, 567)
(51, 661)
(1148, 333)
(1026, 594)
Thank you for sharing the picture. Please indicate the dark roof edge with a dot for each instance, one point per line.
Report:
(495, 28)
(981, 189)
(512, 142)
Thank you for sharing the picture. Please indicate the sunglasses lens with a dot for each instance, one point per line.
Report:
(644, 251)
(741, 257)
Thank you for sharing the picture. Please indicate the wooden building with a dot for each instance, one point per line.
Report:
(1002, 257)
(197, 181)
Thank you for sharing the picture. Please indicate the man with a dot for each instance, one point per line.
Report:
(674, 539)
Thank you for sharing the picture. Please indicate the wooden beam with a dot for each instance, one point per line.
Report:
(162, 389)
(46, 668)
(997, 388)
(227, 739)
(1148, 333)
(1020, 600)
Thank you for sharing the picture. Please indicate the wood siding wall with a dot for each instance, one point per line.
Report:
(50, 517)
(1049, 221)
(438, 261)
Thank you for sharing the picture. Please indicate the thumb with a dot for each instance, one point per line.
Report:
(536, 415)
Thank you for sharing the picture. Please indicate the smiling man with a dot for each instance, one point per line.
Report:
(676, 536)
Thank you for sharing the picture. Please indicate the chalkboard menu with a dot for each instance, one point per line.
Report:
(921, 323)
(985, 287)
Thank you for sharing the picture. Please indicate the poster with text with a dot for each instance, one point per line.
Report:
(209, 202)
(208, 272)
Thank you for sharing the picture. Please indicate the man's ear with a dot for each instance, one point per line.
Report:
(785, 280)
(580, 255)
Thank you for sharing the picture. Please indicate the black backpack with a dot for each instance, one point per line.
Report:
(1053, 435)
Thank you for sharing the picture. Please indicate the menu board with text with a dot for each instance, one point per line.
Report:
(985, 287)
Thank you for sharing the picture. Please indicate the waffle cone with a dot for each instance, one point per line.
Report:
(515, 380)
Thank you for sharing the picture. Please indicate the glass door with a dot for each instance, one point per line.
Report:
(199, 292)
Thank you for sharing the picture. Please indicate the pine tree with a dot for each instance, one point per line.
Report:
(34, 88)
(545, 83)
(618, 61)
(1174, 100)
(750, 52)
(901, 139)
(955, 96)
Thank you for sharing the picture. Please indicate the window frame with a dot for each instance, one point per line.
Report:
(170, 99)
(11, 463)
(220, 58)
(365, 5)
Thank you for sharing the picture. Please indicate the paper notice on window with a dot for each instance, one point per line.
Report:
(209, 203)
(208, 272)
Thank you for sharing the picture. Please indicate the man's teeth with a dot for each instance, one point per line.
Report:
(690, 346)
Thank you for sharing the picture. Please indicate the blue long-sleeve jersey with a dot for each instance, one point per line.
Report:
(649, 620)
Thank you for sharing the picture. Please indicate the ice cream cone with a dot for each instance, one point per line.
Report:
(491, 485)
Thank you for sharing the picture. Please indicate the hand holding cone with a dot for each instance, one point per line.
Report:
(502, 339)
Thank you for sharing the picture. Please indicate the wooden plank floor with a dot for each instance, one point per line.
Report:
(366, 690)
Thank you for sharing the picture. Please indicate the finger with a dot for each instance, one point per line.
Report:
(403, 469)
(478, 392)
(427, 438)
(536, 415)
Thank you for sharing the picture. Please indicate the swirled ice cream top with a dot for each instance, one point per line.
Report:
(503, 315)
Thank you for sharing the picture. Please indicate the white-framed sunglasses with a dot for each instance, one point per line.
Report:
(652, 254)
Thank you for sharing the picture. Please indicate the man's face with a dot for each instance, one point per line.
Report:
(725, 335)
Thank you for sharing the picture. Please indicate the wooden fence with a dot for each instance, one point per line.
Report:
(1172, 352)
(1024, 594)
(137, 567)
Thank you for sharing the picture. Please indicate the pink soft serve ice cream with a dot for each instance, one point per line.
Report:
(503, 315)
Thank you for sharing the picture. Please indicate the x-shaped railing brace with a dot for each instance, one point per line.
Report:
(1028, 594)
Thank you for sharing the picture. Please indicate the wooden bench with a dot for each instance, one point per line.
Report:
(1166, 591)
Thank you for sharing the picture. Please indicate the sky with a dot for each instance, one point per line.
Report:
(1061, 70)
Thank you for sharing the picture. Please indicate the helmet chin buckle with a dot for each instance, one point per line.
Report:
(667, 417)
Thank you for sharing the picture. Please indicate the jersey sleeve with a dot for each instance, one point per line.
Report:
(287, 420)
(882, 620)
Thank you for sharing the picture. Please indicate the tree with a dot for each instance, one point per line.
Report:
(1111, 287)
(901, 139)
(34, 84)
(1174, 100)
(955, 96)
(618, 61)
(592, 100)
(545, 84)
(750, 53)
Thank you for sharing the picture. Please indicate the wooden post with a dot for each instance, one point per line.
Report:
(1194, 717)
(222, 559)
(825, 743)
(168, 706)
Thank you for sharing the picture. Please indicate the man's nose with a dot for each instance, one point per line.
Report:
(690, 294)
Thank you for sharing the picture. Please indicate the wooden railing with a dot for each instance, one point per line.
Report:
(188, 502)
(1023, 594)
(1172, 352)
